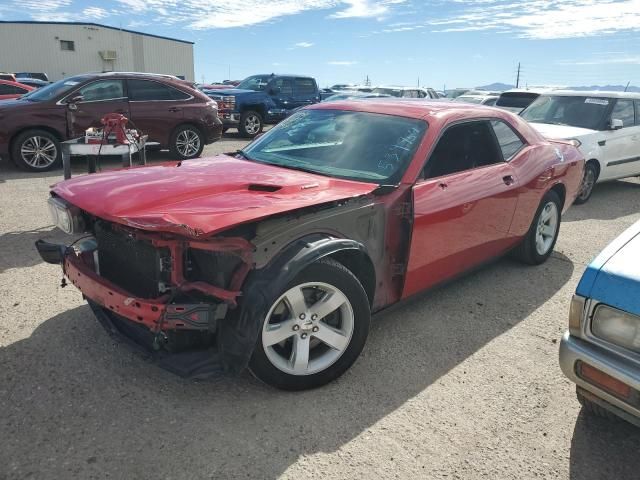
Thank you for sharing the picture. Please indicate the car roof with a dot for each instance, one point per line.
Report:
(280, 75)
(593, 93)
(15, 84)
(399, 87)
(412, 108)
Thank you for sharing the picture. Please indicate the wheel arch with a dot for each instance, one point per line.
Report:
(256, 107)
(46, 128)
(596, 163)
(239, 332)
(561, 190)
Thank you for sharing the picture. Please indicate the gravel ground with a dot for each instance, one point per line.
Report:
(462, 382)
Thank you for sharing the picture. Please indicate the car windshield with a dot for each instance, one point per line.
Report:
(53, 90)
(394, 92)
(576, 111)
(257, 83)
(360, 146)
(516, 100)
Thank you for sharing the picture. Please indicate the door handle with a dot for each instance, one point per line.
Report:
(443, 185)
(174, 109)
(508, 180)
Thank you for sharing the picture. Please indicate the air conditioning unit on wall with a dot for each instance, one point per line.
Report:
(108, 54)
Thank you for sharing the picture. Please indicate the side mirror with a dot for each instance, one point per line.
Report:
(71, 103)
(274, 90)
(616, 124)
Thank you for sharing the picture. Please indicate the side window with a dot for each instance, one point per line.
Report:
(11, 90)
(509, 141)
(463, 147)
(285, 85)
(410, 94)
(637, 102)
(305, 87)
(624, 111)
(148, 90)
(422, 94)
(101, 90)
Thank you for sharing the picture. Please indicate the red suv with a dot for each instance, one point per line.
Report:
(167, 109)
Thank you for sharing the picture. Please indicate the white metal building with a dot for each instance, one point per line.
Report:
(61, 49)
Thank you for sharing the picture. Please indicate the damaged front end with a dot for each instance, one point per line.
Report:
(164, 293)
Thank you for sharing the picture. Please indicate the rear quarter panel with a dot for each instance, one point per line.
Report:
(542, 166)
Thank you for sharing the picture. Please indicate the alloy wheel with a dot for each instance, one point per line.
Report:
(188, 143)
(588, 181)
(252, 124)
(308, 328)
(547, 227)
(38, 152)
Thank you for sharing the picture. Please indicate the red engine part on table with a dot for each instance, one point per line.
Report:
(116, 123)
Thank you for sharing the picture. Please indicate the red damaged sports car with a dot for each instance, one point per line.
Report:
(275, 256)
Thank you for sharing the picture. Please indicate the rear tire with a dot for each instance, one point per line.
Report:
(588, 182)
(251, 124)
(594, 409)
(186, 142)
(538, 243)
(296, 351)
(36, 151)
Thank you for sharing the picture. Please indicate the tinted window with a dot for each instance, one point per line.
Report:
(146, 90)
(509, 142)
(54, 90)
(637, 112)
(305, 86)
(516, 99)
(624, 111)
(285, 85)
(355, 145)
(102, 90)
(11, 90)
(257, 82)
(463, 147)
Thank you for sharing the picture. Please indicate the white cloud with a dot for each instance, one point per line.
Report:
(365, 8)
(544, 19)
(94, 13)
(342, 63)
(304, 44)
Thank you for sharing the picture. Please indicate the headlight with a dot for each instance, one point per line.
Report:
(576, 313)
(617, 327)
(65, 216)
(575, 142)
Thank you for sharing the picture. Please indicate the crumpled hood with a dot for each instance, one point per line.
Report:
(560, 131)
(613, 277)
(204, 196)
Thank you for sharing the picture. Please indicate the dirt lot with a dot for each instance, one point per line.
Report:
(462, 382)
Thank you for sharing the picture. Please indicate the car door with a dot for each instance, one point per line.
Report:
(88, 104)
(622, 146)
(305, 92)
(463, 205)
(283, 94)
(156, 108)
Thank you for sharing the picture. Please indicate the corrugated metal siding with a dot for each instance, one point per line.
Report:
(36, 48)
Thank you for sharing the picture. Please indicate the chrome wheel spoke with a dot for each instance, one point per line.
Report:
(296, 302)
(278, 333)
(332, 337)
(327, 305)
(300, 354)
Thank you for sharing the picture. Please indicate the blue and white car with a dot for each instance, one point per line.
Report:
(600, 352)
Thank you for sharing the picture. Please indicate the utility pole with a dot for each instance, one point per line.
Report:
(625, 88)
(518, 77)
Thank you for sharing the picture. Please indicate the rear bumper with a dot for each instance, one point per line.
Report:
(574, 350)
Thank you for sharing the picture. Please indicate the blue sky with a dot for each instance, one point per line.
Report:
(457, 43)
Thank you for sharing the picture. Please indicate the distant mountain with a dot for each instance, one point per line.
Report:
(609, 88)
(497, 86)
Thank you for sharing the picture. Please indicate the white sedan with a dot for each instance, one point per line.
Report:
(605, 126)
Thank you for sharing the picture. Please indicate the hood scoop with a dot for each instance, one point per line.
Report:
(260, 187)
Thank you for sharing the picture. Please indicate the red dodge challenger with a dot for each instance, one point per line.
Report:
(274, 257)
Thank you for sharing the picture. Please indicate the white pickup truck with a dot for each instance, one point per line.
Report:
(605, 125)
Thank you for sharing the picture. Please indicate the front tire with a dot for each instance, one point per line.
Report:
(251, 124)
(594, 409)
(539, 241)
(186, 142)
(36, 151)
(314, 329)
(588, 182)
